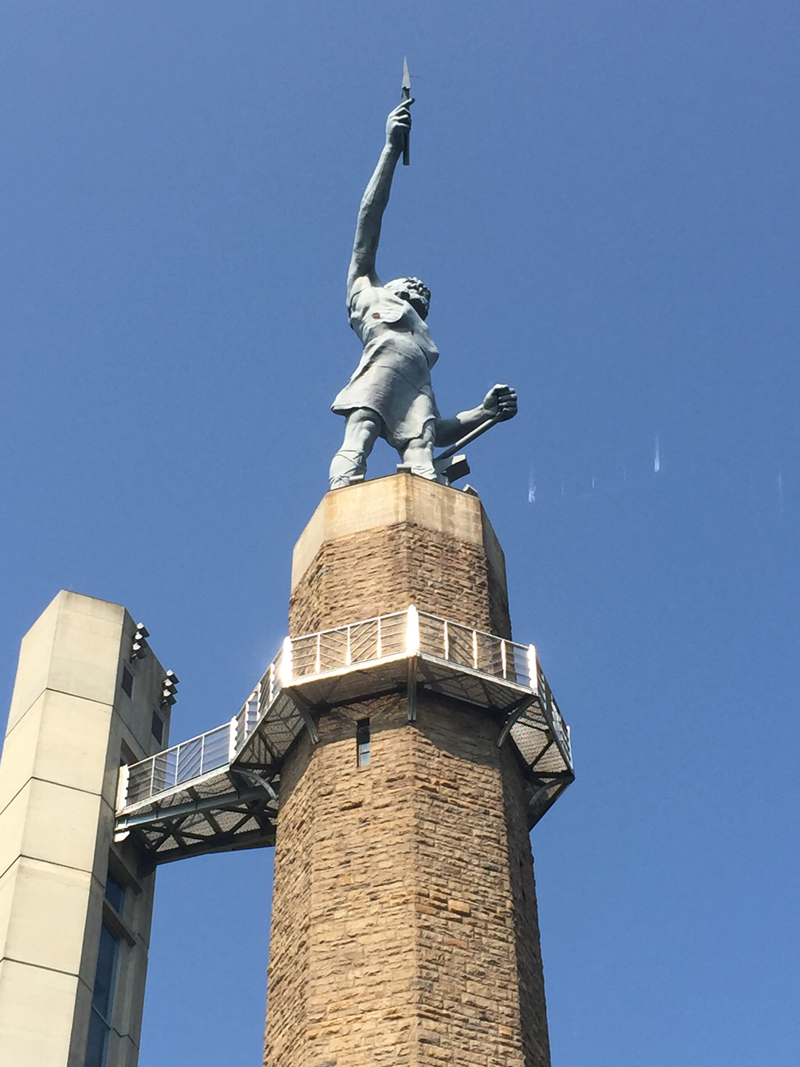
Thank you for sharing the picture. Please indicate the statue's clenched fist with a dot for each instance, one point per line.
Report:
(398, 125)
(500, 403)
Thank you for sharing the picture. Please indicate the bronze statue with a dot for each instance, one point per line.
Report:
(390, 393)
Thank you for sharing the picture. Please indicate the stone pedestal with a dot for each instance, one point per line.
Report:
(404, 923)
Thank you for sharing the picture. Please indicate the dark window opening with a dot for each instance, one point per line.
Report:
(363, 757)
(157, 729)
(115, 893)
(127, 682)
(102, 1000)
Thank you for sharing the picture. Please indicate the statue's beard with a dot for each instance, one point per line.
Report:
(417, 303)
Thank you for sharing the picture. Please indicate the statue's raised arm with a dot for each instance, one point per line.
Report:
(375, 199)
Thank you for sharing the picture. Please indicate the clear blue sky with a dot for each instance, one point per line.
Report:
(603, 199)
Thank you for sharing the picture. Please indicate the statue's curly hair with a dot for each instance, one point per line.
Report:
(421, 287)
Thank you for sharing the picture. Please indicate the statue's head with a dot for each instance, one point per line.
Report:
(414, 292)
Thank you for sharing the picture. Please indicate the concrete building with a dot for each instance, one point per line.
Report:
(74, 910)
(396, 753)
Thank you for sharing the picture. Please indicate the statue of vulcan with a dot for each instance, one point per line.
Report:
(390, 393)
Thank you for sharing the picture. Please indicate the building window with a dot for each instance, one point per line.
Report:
(363, 758)
(115, 893)
(127, 682)
(157, 728)
(102, 1000)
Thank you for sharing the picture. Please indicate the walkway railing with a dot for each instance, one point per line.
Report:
(182, 762)
(406, 633)
(400, 634)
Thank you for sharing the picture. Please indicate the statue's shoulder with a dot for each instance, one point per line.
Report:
(360, 289)
(364, 292)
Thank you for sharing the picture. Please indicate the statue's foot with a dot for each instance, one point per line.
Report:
(347, 467)
(420, 471)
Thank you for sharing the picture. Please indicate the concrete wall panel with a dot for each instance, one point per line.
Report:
(19, 752)
(36, 1013)
(86, 648)
(48, 930)
(34, 663)
(73, 744)
(50, 823)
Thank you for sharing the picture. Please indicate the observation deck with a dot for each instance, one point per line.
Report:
(220, 791)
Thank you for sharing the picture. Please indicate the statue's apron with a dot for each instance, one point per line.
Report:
(393, 377)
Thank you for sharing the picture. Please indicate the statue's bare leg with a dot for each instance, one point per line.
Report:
(418, 454)
(361, 431)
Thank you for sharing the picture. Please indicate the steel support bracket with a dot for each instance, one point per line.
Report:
(304, 710)
(256, 779)
(515, 714)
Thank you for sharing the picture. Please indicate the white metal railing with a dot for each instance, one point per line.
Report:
(402, 633)
(411, 632)
(190, 759)
(211, 750)
(554, 716)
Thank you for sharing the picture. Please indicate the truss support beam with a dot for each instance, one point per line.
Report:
(224, 843)
(191, 807)
(304, 710)
(515, 713)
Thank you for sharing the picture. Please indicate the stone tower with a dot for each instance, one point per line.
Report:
(405, 926)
